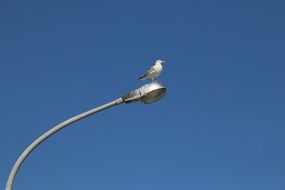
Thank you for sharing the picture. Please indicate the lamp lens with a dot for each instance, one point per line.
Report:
(154, 95)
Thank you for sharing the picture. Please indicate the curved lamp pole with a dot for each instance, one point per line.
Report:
(148, 93)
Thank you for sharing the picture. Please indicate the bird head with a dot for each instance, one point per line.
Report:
(159, 62)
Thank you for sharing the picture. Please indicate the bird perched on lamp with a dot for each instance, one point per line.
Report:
(153, 72)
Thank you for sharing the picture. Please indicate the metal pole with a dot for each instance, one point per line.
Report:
(51, 132)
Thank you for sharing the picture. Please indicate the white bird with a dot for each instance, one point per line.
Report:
(153, 72)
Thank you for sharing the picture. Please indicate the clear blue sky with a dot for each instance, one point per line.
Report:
(220, 127)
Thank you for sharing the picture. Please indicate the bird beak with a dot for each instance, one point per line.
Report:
(163, 61)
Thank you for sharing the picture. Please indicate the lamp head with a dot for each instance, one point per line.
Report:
(147, 94)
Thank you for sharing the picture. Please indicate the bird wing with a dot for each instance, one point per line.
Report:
(151, 69)
(146, 74)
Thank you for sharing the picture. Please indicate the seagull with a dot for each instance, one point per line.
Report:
(153, 72)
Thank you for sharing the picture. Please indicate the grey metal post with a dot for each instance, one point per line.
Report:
(51, 132)
(147, 94)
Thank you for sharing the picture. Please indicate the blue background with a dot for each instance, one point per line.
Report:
(221, 125)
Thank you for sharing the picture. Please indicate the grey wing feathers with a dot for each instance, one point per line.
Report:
(146, 74)
(149, 70)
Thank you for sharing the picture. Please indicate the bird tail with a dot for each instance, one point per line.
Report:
(143, 77)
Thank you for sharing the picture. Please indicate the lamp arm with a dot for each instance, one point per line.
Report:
(52, 131)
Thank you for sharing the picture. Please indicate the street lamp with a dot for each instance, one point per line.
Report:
(148, 93)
